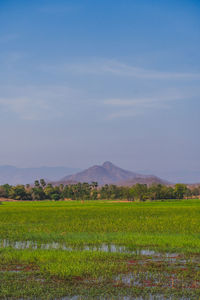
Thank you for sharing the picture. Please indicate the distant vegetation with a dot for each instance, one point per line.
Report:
(85, 191)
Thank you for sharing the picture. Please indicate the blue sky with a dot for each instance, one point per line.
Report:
(82, 82)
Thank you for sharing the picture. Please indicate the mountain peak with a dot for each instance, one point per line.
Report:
(107, 164)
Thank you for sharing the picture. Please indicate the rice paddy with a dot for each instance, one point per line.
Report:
(100, 250)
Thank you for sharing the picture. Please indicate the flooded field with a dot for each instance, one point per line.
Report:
(105, 248)
(46, 252)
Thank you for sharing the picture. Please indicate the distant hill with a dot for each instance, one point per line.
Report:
(183, 176)
(149, 180)
(111, 174)
(13, 175)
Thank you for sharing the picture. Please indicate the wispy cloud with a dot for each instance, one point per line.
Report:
(27, 108)
(116, 68)
(123, 107)
(34, 102)
(126, 70)
(146, 102)
(118, 98)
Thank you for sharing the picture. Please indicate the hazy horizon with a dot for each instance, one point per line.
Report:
(86, 82)
(173, 176)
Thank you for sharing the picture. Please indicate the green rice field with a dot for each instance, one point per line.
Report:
(100, 250)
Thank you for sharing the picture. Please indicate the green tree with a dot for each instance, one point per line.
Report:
(180, 190)
(55, 197)
(3, 193)
(6, 187)
(37, 183)
(37, 193)
(42, 182)
(18, 192)
(140, 191)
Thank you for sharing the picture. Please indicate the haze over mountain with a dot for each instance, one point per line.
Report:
(183, 176)
(108, 173)
(13, 175)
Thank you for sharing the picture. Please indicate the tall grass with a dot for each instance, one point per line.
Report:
(162, 225)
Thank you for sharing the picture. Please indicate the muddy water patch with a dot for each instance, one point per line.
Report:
(144, 279)
(146, 255)
(10, 271)
(150, 280)
(112, 248)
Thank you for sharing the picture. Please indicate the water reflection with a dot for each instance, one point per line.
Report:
(104, 248)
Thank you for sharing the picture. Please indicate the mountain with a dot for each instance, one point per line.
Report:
(111, 174)
(13, 175)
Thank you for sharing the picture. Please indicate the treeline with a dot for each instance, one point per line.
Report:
(85, 191)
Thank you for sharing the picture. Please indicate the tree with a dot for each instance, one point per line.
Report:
(42, 182)
(195, 191)
(3, 192)
(188, 193)
(48, 190)
(140, 191)
(94, 194)
(37, 193)
(55, 197)
(94, 184)
(6, 187)
(61, 187)
(18, 192)
(180, 190)
(37, 184)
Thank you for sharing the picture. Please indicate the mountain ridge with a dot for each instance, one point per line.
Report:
(108, 173)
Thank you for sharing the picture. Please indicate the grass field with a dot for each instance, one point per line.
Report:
(99, 249)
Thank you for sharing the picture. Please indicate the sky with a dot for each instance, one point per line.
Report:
(83, 82)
